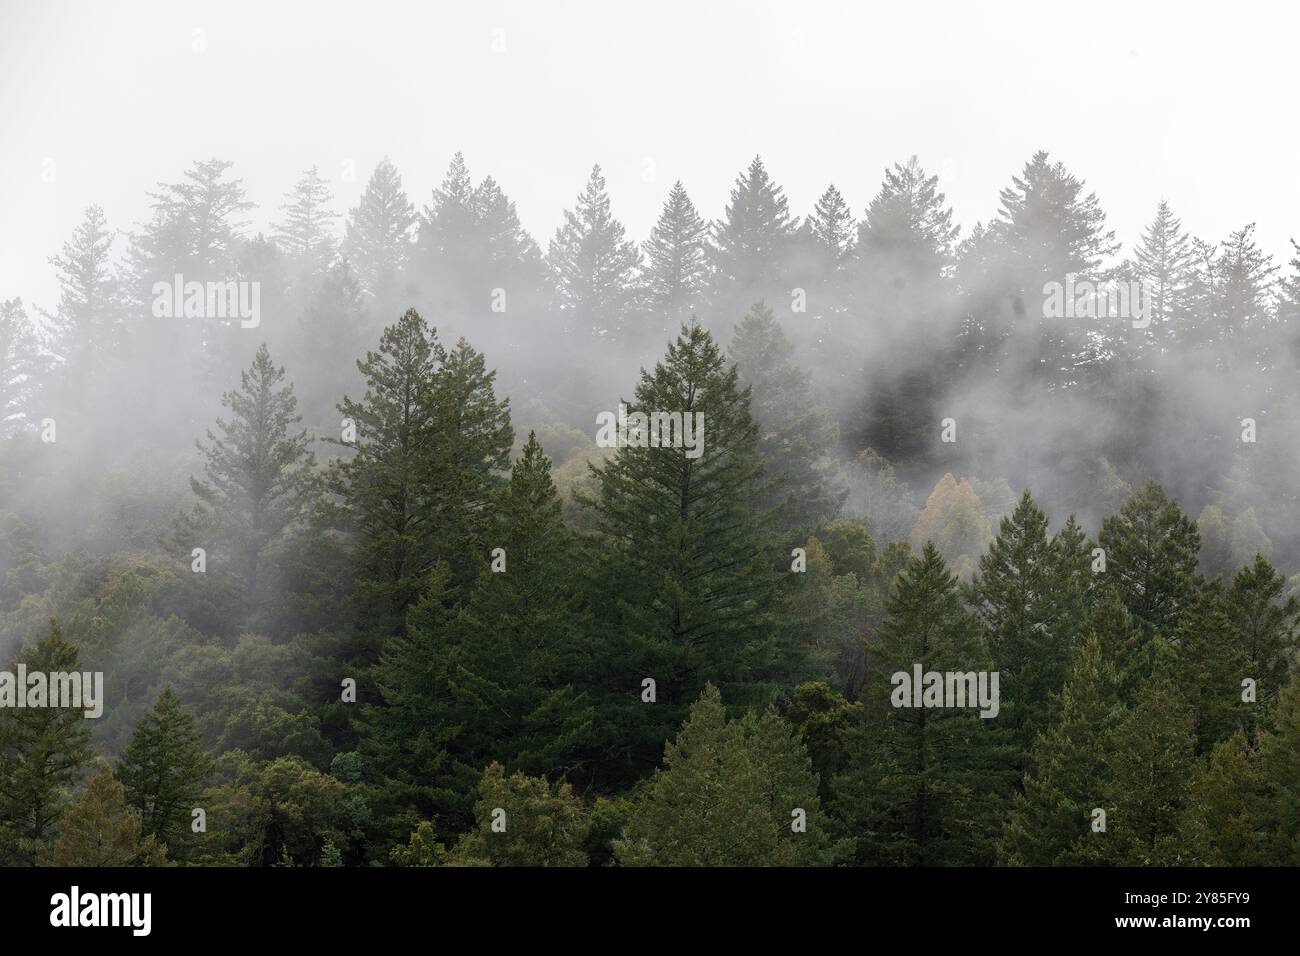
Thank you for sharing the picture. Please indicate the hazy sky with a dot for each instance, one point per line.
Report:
(1193, 102)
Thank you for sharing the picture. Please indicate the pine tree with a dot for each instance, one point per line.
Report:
(432, 446)
(594, 266)
(907, 236)
(1207, 666)
(306, 232)
(378, 243)
(925, 783)
(676, 261)
(1265, 627)
(1151, 552)
(833, 228)
(1016, 592)
(796, 436)
(88, 325)
(99, 830)
(163, 769)
(22, 363)
(1165, 258)
(519, 645)
(1245, 284)
(685, 583)
(1279, 763)
(730, 793)
(388, 485)
(1220, 823)
(750, 246)
(42, 752)
(1150, 760)
(1051, 820)
(195, 229)
(472, 436)
(1048, 229)
(257, 475)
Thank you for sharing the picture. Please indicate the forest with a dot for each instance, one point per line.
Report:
(329, 509)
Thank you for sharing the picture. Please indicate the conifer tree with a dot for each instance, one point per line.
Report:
(99, 830)
(730, 793)
(519, 645)
(685, 582)
(22, 362)
(1165, 258)
(1279, 764)
(42, 751)
(1152, 551)
(1149, 765)
(88, 324)
(163, 769)
(257, 475)
(1051, 820)
(1265, 627)
(306, 232)
(676, 261)
(388, 485)
(377, 243)
(1220, 825)
(926, 783)
(907, 236)
(594, 265)
(1016, 592)
(750, 247)
(796, 436)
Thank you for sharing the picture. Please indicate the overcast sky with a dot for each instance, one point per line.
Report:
(1193, 102)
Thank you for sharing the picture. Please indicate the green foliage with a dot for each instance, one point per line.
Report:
(728, 795)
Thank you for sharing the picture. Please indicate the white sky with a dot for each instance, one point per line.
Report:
(1193, 102)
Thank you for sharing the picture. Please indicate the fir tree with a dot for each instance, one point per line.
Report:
(163, 769)
(925, 782)
(42, 752)
(1051, 820)
(257, 475)
(730, 793)
(676, 260)
(796, 436)
(1151, 552)
(594, 266)
(686, 582)
(377, 244)
(22, 362)
(306, 234)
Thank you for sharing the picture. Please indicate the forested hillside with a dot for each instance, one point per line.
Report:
(367, 586)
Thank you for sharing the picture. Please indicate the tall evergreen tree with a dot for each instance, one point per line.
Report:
(676, 261)
(686, 585)
(1164, 259)
(1017, 592)
(306, 233)
(925, 783)
(42, 752)
(594, 266)
(257, 475)
(796, 436)
(377, 241)
(1051, 820)
(750, 247)
(163, 769)
(1151, 557)
(22, 363)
